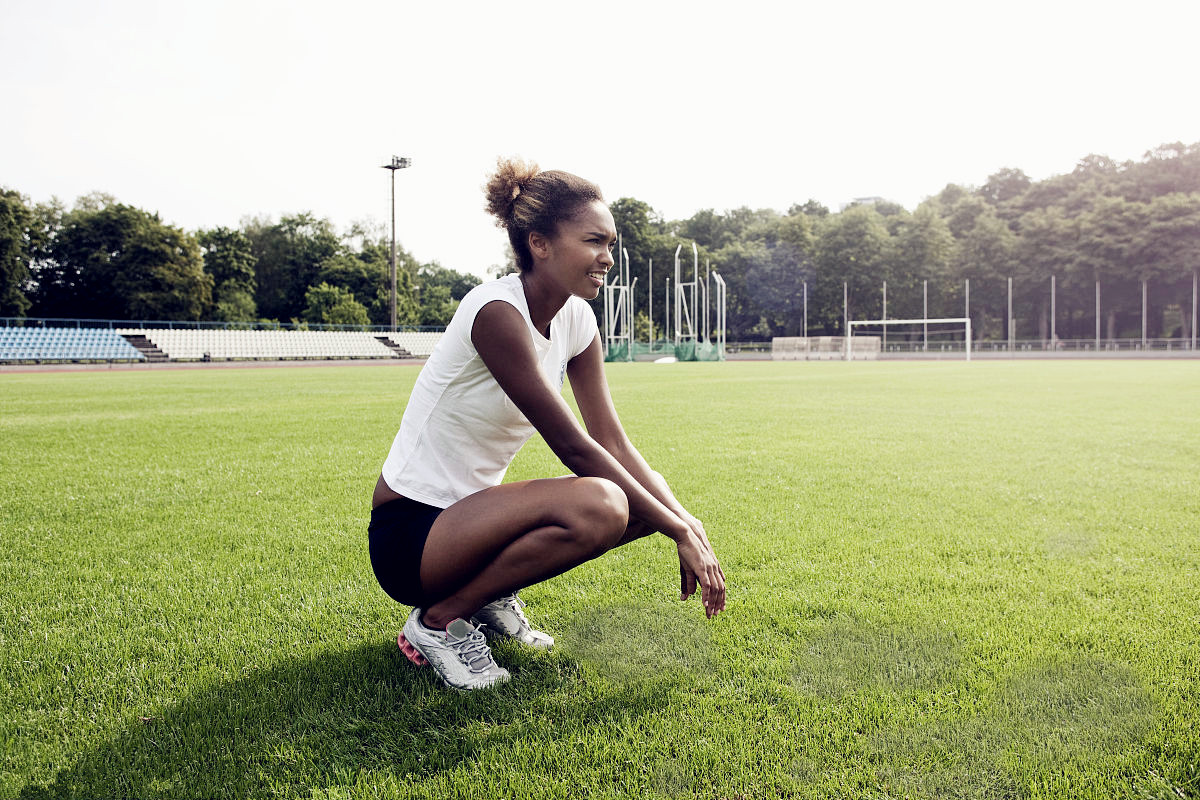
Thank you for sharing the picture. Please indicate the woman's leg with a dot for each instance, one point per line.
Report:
(511, 536)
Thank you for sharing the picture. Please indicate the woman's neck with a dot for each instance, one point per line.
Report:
(544, 301)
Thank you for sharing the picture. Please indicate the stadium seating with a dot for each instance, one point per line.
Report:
(823, 348)
(219, 344)
(418, 343)
(65, 344)
(222, 344)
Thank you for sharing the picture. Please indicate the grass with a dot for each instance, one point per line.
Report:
(945, 580)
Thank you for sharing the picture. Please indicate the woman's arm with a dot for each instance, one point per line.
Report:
(590, 387)
(501, 337)
(592, 395)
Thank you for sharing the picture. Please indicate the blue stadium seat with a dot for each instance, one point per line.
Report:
(65, 344)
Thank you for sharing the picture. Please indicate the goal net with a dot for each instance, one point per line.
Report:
(945, 337)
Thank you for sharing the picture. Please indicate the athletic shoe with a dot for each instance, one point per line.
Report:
(504, 618)
(459, 654)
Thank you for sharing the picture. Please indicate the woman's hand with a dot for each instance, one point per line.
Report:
(698, 565)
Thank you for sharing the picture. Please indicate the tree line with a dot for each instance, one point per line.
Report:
(1115, 223)
(102, 259)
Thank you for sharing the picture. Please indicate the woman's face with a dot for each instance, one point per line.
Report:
(579, 256)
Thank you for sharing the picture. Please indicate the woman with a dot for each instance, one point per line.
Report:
(446, 536)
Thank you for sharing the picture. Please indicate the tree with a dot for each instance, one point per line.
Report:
(765, 269)
(642, 330)
(921, 248)
(364, 266)
(457, 283)
(851, 247)
(119, 262)
(1005, 186)
(1172, 242)
(288, 256)
(1123, 243)
(713, 231)
(950, 194)
(810, 208)
(1167, 169)
(229, 259)
(437, 306)
(770, 286)
(368, 278)
(15, 222)
(439, 290)
(333, 305)
(644, 236)
(1048, 246)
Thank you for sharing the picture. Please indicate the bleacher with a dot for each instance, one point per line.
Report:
(220, 344)
(823, 348)
(40, 343)
(65, 344)
(418, 343)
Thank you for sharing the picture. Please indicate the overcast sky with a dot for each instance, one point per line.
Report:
(208, 112)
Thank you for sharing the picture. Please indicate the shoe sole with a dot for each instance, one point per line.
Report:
(410, 651)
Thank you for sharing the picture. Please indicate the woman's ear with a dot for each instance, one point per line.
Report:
(539, 246)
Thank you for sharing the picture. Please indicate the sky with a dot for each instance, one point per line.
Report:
(211, 112)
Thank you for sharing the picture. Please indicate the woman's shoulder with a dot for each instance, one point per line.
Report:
(507, 284)
(505, 288)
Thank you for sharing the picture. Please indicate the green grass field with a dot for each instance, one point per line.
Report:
(945, 580)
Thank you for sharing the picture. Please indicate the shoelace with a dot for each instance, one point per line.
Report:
(473, 651)
(515, 604)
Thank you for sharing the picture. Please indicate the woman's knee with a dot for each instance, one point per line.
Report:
(601, 513)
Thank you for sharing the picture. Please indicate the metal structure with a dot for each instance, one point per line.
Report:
(618, 308)
(650, 304)
(1011, 335)
(396, 163)
(720, 309)
(687, 298)
(806, 309)
(1053, 313)
(699, 310)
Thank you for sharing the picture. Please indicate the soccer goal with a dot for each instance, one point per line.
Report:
(920, 337)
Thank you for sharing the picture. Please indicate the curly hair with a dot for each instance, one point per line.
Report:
(525, 200)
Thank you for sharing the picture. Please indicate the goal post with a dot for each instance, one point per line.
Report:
(925, 322)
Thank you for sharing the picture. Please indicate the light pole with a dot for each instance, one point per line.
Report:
(397, 163)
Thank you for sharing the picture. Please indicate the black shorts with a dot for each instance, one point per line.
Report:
(397, 537)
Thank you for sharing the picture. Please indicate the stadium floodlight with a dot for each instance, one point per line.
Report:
(396, 163)
(923, 321)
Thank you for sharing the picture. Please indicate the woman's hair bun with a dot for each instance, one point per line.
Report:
(526, 199)
(505, 186)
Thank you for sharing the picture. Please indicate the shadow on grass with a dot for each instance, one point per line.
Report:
(318, 722)
(849, 655)
(637, 644)
(1044, 729)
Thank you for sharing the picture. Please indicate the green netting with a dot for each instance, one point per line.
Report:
(661, 348)
(617, 352)
(707, 351)
(692, 350)
(685, 351)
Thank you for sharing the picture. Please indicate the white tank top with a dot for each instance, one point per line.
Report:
(460, 431)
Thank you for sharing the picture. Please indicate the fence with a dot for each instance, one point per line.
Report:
(156, 324)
